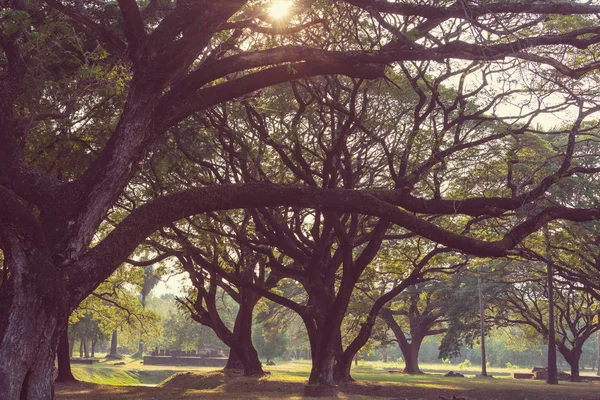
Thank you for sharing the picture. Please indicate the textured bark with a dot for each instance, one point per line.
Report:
(28, 347)
(64, 360)
(32, 311)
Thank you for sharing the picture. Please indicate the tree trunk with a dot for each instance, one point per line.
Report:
(342, 362)
(575, 370)
(552, 368)
(572, 356)
(140, 352)
(321, 373)
(81, 348)
(234, 361)
(71, 347)
(64, 360)
(93, 348)
(29, 338)
(411, 356)
(240, 340)
(85, 348)
(113, 343)
(410, 349)
(242, 331)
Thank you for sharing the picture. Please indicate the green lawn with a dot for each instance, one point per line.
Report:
(286, 381)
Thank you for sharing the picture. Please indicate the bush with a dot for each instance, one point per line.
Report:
(511, 366)
(464, 365)
(445, 361)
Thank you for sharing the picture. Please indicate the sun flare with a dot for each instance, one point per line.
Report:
(280, 8)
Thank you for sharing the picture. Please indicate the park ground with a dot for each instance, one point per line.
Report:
(106, 381)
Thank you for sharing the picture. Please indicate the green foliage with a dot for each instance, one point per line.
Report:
(116, 306)
(464, 365)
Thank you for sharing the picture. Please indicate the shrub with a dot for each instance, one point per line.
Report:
(464, 365)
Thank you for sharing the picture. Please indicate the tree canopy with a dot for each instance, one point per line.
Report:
(392, 119)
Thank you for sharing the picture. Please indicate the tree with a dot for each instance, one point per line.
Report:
(165, 64)
(575, 316)
(423, 306)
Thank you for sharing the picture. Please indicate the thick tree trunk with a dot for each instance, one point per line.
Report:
(410, 349)
(411, 356)
(29, 338)
(85, 348)
(234, 361)
(575, 377)
(64, 360)
(343, 362)
(321, 373)
(93, 344)
(240, 340)
(113, 343)
(572, 356)
(242, 331)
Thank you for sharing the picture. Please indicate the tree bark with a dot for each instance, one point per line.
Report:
(575, 377)
(64, 360)
(234, 361)
(240, 340)
(342, 363)
(572, 356)
(411, 356)
(410, 349)
(242, 331)
(29, 337)
(114, 343)
(321, 373)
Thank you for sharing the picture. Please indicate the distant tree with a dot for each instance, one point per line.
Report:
(576, 316)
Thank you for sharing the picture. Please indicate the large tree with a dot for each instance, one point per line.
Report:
(99, 85)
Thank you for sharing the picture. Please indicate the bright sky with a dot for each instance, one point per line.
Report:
(280, 8)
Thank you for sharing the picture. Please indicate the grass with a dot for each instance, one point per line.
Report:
(287, 380)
